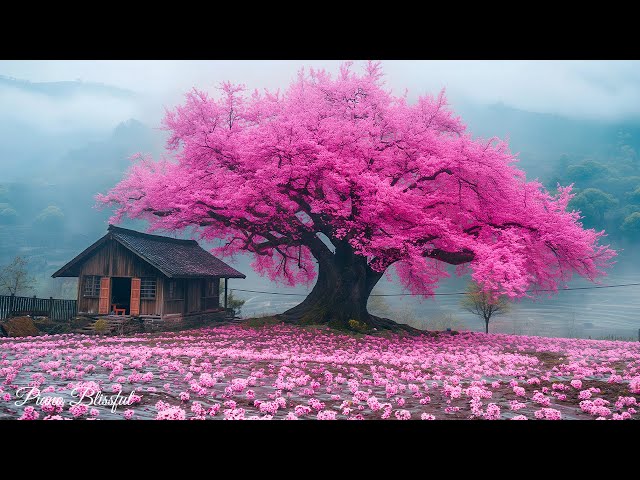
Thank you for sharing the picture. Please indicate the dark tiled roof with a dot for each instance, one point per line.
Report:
(173, 257)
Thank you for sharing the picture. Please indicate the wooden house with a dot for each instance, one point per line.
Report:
(138, 274)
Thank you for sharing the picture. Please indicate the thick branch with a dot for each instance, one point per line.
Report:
(452, 258)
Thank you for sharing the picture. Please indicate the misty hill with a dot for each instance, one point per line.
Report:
(41, 121)
(50, 216)
(65, 88)
(542, 138)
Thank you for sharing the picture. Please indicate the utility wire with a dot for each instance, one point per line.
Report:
(452, 293)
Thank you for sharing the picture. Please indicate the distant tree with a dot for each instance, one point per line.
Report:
(631, 224)
(8, 216)
(593, 204)
(50, 217)
(634, 196)
(15, 279)
(586, 171)
(484, 304)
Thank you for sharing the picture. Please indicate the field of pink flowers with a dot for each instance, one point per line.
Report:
(290, 373)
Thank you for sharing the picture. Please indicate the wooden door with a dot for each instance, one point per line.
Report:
(134, 307)
(104, 306)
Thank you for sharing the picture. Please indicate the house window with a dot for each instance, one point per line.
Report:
(92, 286)
(175, 290)
(148, 288)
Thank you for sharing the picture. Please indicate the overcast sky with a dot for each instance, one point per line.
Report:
(607, 90)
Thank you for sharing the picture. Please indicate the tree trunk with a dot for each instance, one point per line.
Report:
(340, 296)
(486, 325)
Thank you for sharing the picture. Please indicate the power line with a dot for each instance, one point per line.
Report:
(268, 293)
(442, 294)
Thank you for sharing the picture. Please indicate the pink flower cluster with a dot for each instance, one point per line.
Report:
(548, 414)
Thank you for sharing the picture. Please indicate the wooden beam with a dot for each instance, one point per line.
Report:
(226, 282)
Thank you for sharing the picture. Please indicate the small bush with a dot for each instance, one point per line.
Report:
(101, 325)
(358, 326)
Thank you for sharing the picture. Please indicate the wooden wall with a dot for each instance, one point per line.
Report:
(193, 299)
(114, 260)
(194, 295)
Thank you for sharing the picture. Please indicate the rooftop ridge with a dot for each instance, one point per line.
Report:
(160, 238)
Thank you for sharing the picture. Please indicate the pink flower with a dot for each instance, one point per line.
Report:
(403, 414)
(577, 384)
(128, 414)
(184, 396)
(541, 399)
(171, 413)
(584, 394)
(519, 417)
(326, 415)
(427, 416)
(301, 410)
(519, 391)
(493, 412)
(548, 414)
(29, 413)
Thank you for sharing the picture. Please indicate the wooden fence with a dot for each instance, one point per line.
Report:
(54, 308)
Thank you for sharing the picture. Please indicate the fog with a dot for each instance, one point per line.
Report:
(67, 129)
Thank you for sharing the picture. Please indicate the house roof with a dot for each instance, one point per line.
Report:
(175, 258)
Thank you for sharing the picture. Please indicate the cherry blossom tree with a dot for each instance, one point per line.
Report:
(337, 179)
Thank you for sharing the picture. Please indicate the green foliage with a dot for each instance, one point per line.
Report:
(358, 326)
(593, 203)
(101, 325)
(235, 303)
(232, 302)
(631, 223)
(586, 171)
(606, 188)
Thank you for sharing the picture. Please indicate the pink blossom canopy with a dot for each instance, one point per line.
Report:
(403, 183)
